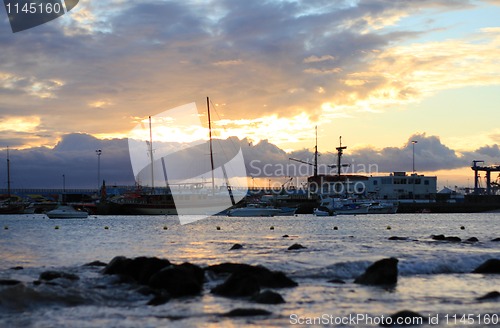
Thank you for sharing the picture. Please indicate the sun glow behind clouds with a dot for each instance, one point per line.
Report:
(20, 124)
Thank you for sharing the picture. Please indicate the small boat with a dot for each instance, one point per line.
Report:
(254, 210)
(286, 211)
(66, 212)
(323, 211)
(383, 208)
(329, 206)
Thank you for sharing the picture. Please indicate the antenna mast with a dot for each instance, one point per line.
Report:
(151, 156)
(316, 154)
(340, 151)
(8, 173)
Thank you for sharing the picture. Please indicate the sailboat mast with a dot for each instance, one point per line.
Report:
(151, 155)
(8, 173)
(316, 154)
(211, 150)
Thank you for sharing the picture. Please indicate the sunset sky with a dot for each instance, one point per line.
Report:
(378, 73)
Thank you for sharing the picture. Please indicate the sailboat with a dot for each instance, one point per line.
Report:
(190, 194)
(7, 205)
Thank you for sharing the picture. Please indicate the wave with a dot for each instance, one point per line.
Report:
(442, 264)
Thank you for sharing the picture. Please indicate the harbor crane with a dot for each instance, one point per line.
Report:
(488, 169)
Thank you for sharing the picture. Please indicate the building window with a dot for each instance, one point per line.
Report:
(375, 182)
(426, 182)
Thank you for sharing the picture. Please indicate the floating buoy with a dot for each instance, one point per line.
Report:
(6, 228)
(165, 228)
(272, 228)
(388, 228)
(462, 228)
(335, 228)
(218, 228)
(106, 228)
(56, 227)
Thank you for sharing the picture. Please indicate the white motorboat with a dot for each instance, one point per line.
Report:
(383, 208)
(254, 210)
(323, 211)
(66, 212)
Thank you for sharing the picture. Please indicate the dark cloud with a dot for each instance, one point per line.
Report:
(75, 157)
(143, 57)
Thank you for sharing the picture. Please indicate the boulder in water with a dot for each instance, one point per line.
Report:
(9, 282)
(398, 238)
(263, 276)
(490, 266)
(383, 272)
(472, 240)
(236, 246)
(139, 269)
(295, 247)
(406, 318)
(268, 297)
(246, 313)
(96, 264)
(51, 275)
(238, 284)
(490, 296)
(179, 280)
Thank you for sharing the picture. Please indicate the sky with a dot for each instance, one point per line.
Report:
(378, 73)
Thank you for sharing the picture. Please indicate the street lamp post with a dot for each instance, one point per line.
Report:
(413, 145)
(413, 175)
(98, 152)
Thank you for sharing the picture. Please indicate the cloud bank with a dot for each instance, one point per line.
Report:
(75, 157)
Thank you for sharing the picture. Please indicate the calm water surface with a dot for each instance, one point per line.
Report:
(434, 277)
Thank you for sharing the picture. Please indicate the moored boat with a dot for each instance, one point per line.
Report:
(66, 212)
(254, 210)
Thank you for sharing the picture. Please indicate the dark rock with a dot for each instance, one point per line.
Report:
(239, 284)
(96, 264)
(398, 238)
(159, 299)
(409, 318)
(236, 246)
(336, 281)
(17, 268)
(285, 236)
(444, 238)
(179, 280)
(51, 275)
(496, 239)
(268, 297)
(139, 269)
(9, 282)
(383, 272)
(490, 266)
(489, 296)
(246, 313)
(263, 276)
(472, 240)
(295, 247)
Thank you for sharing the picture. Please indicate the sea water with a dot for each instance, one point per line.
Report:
(435, 277)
